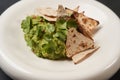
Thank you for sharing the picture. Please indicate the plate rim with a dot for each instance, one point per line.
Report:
(26, 1)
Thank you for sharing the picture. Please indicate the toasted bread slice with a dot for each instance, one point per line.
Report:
(65, 11)
(86, 24)
(70, 11)
(77, 42)
(61, 11)
(82, 55)
(48, 13)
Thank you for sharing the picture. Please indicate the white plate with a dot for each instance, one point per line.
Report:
(17, 60)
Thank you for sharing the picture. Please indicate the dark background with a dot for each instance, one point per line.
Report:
(112, 4)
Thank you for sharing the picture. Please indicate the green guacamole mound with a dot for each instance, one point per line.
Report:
(45, 38)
